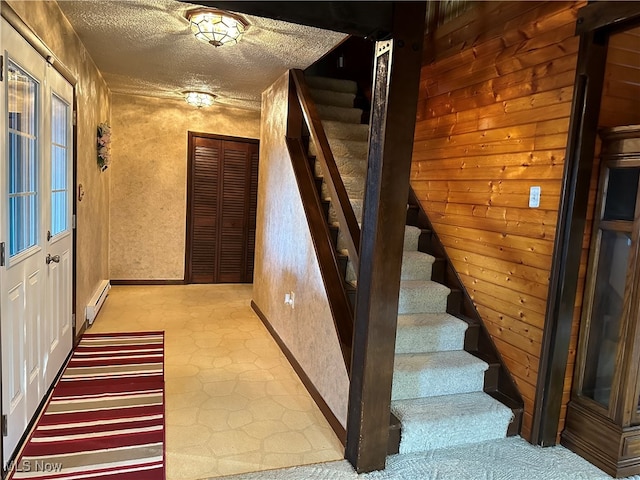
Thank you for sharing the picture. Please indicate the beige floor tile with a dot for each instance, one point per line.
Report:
(181, 416)
(180, 370)
(281, 460)
(188, 436)
(235, 464)
(321, 439)
(240, 418)
(233, 442)
(191, 464)
(297, 420)
(213, 385)
(185, 400)
(215, 420)
(286, 442)
(233, 402)
(264, 429)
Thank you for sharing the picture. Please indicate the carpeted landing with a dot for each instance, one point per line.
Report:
(505, 459)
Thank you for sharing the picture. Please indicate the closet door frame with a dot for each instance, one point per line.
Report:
(191, 142)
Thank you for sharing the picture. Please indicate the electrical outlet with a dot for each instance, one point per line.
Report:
(290, 299)
(534, 197)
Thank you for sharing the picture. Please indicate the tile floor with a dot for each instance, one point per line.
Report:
(233, 402)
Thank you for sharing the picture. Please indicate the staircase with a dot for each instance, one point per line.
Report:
(437, 392)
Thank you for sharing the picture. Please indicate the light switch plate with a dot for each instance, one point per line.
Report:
(534, 197)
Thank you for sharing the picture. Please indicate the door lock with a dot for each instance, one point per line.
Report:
(54, 259)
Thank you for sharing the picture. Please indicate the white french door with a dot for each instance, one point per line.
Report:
(59, 236)
(35, 231)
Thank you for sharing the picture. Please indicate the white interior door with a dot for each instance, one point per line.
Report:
(58, 212)
(35, 295)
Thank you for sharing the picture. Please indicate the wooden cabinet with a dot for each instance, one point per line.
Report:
(603, 416)
(221, 209)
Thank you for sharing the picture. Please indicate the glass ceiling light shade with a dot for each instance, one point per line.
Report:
(216, 27)
(199, 99)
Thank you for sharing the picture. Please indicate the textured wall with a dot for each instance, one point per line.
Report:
(286, 261)
(92, 253)
(149, 179)
(493, 118)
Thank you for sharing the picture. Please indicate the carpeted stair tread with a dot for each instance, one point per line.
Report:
(339, 114)
(346, 166)
(335, 84)
(416, 265)
(346, 131)
(356, 204)
(438, 422)
(350, 276)
(331, 97)
(342, 244)
(422, 296)
(353, 184)
(432, 374)
(411, 238)
(342, 147)
(429, 332)
(411, 235)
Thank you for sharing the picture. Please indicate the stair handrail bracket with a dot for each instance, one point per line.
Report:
(340, 200)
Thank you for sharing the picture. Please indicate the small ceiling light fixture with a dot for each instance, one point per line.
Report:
(199, 99)
(216, 27)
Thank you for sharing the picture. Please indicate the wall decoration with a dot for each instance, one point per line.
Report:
(104, 146)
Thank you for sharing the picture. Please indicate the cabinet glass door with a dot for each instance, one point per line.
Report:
(609, 284)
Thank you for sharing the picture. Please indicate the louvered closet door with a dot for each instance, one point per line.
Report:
(204, 212)
(221, 209)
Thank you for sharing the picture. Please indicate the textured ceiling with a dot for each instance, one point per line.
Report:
(145, 47)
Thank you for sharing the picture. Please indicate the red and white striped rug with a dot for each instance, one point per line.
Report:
(105, 418)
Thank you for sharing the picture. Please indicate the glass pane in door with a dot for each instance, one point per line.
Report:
(622, 190)
(59, 159)
(606, 315)
(22, 92)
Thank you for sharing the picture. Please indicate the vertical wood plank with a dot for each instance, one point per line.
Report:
(395, 94)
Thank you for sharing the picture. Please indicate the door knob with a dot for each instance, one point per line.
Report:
(54, 259)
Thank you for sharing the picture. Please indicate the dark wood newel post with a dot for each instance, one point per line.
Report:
(393, 113)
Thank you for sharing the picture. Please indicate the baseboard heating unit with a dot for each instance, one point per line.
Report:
(94, 305)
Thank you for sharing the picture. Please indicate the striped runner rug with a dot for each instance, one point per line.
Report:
(105, 417)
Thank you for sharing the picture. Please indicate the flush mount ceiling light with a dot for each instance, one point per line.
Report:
(199, 99)
(216, 27)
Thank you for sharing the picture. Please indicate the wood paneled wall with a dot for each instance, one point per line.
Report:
(493, 116)
(621, 95)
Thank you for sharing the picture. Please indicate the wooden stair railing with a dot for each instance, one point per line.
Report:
(340, 199)
(303, 121)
